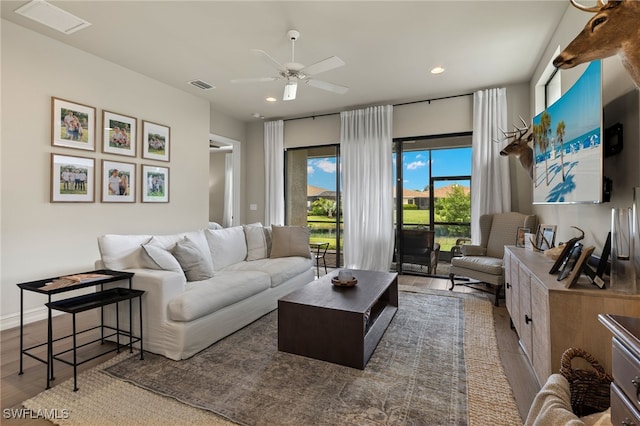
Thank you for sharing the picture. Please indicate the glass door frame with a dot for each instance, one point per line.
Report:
(398, 149)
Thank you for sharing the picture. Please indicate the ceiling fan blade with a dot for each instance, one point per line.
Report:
(254, 80)
(335, 88)
(324, 65)
(268, 59)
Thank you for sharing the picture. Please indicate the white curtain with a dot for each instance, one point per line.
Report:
(367, 187)
(490, 185)
(274, 172)
(227, 216)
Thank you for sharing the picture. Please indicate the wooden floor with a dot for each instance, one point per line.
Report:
(16, 388)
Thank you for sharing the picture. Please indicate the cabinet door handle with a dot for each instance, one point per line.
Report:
(636, 383)
(527, 319)
(508, 285)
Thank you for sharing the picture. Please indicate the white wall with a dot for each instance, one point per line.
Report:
(42, 239)
(595, 219)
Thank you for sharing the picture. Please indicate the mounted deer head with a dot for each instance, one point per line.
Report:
(519, 146)
(615, 29)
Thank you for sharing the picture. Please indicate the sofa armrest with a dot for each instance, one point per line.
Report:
(473, 250)
(160, 288)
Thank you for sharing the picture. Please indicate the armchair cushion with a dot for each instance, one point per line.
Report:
(483, 264)
(473, 250)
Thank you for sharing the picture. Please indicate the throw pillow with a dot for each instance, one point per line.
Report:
(256, 237)
(160, 258)
(192, 260)
(227, 246)
(290, 241)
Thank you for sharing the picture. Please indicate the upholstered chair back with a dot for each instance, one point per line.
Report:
(500, 229)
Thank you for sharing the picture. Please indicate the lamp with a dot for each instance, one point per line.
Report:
(290, 90)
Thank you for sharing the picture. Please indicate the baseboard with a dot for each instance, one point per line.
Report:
(32, 315)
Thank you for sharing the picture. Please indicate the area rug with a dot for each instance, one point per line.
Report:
(436, 364)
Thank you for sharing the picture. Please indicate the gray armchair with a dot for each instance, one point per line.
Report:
(483, 263)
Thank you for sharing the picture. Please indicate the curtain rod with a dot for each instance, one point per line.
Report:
(400, 104)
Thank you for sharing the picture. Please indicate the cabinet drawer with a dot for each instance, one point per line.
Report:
(626, 367)
(622, 412)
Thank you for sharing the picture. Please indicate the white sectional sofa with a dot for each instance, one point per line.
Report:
(204, 285)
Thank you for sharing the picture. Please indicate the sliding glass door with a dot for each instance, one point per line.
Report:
(312, 195)
(432, 191)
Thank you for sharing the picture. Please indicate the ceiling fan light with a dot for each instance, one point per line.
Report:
(290, 91)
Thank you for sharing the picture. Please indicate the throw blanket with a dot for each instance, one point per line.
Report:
(552, 406)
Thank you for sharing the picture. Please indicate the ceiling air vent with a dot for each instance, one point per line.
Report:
(52, 16)
(201, 84)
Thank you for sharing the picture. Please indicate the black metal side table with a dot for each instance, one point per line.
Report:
(78, 304)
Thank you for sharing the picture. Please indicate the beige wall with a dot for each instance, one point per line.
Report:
(595, 219)
(42, 239)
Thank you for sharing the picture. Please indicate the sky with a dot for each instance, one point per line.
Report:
(321, 172)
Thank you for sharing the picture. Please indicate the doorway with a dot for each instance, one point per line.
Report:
(225, 163)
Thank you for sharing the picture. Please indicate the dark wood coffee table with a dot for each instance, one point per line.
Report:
(342, 325)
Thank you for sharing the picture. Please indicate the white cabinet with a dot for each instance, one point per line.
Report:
(550, 318)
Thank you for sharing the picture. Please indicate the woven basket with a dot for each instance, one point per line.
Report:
(589, 388)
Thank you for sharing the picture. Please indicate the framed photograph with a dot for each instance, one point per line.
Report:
(119, 134)
(570, 261)
(156, 140)
(72, 179)
(529, 240)
(118, 182)
(520, 234)
(578, 268)
(545, 237)
(155, 184)
(73, 125)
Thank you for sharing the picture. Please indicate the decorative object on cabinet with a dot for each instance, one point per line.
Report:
(565, 251)
(155, 141)
(73, 125)
(520, 235)
(72, 179)
(120, 134)
(155, 184)
(545, 237)
(589, 388)
(118, 182)
(623, 274)
(579, 266)
(483, 262)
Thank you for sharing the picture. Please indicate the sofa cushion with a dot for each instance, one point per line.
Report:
(224, 289)
(195, 262)
(227, 246)
(289, 241)
(488, 265)
(279, 270)
(120, 252)
(257, 237)
(160, 258)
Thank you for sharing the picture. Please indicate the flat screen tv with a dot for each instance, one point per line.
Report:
(568, 147)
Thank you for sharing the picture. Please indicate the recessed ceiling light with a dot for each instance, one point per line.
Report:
(270, 99)
(52, 16)
(437, 70)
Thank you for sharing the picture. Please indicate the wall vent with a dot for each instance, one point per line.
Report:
(201, 84)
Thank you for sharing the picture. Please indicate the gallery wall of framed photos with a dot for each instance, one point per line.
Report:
(77, 179)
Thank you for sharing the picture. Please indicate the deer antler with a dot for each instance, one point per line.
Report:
(600, 5)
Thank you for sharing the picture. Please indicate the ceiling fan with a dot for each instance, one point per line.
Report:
(293, 71)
